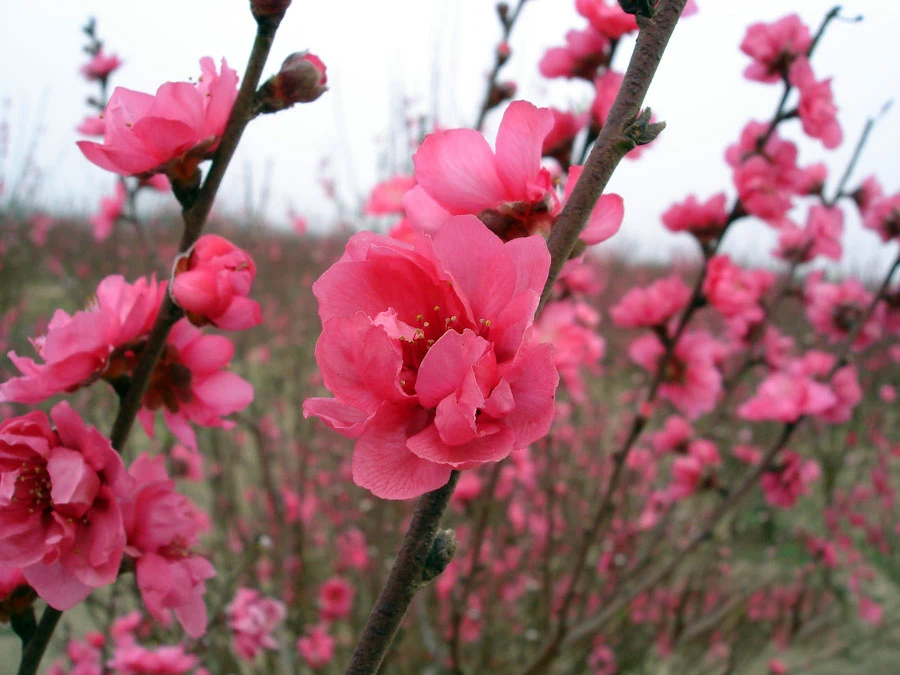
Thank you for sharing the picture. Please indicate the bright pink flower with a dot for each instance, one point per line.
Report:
(82, 348)
(171, 132)
(510, 192)
(253, 619)
(818, 113)
(10, 579)
(736, 293)
(692, 380)
(790, 480)
(316, 647)
(883, 217)
(111, 209)
(571, 329)
(705, 220)
(157, 182)
(190, 384)
(786, 397)
(335, 599)
(211, 283)
(450, 377)
(100, 66)
(60, 519)
(844, 384)
(774, 46)
(92, 125)
(162, 527)
(821, 236)
(606, 217)
(836, 309)
(607, 87)
(585, 51)
(387, 197)
(606, 18)
(653, 306)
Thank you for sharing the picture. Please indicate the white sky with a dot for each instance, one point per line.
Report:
(377, 52)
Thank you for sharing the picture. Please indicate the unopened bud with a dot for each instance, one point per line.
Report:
(503, 52)
(302, 79)
(500, 92)
(269, 8)
(503, 11)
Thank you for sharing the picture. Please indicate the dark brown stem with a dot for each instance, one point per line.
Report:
(194, 219)
(613, 143)
(407, 576)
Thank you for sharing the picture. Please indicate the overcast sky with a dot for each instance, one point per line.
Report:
(379, 52)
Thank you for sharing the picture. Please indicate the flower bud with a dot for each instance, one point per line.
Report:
(302, 79)
(503, 52)
(269, 8)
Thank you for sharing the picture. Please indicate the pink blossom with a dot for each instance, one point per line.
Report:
(211, 283)
(162, 528)
(836, 309)
(818, 113)
(653, 306)
(190, 384)
(705, 220)
(558, 143)
(606, 88)
(131, 658)
(736, 293)
(253, 620)
(81, 348)
(450, 377)
(607, 18)
(189, 462)
(883, 217)
(316, 647)
(786, 397)
(387, 197)
(790, 480)
(821, 236)
(766, 178)
(510, 192)
(171, 132)
(774, 46)
(352, 550)
(100, 66)
(674, 436)
(844, 384)
(60, 519)
(777, 667)
(92, 125)
(585, 51)
(111, 209)
(870, 611)
(576, 345)
(335, 599)
(692, 380)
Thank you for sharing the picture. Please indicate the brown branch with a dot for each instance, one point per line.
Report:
(614, 142)
(408, 574)
(490, 102)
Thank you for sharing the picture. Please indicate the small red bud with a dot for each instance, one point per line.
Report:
(302, 79)
(503, 52)
(269, 8)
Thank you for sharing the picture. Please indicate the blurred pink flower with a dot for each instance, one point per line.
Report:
(316, 647)
(253, 618)
(576, 345)
(789, 480)
(883, 217)
(335, 599)
(450, 377)
(387, 196)
(820, 236)
(100, 66)
(111, 209)
(705, 220)
(585, 51)
(818, 113)
(835, 310)
(774, 46)
(607, 18)
(162, 527)
(653, 306)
